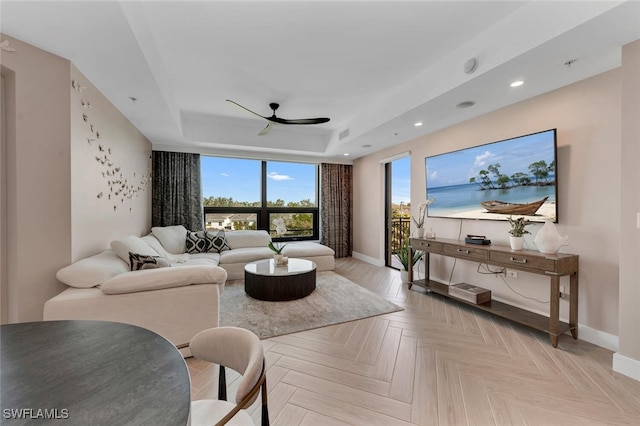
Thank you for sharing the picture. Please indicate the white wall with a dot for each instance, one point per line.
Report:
(51, 180)
(38, 175)
(102, 208)
(627, 360)
(588, 118)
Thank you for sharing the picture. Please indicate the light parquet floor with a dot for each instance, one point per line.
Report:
(435, 363)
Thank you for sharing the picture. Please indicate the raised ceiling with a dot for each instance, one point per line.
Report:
(374, 67)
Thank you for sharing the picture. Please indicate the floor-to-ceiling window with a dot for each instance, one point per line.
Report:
(251, 194)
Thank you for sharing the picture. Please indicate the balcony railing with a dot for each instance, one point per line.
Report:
(400, 231)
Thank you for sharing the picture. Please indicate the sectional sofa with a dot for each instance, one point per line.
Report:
(169, 281)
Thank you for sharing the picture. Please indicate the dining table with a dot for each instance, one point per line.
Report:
(94, 373)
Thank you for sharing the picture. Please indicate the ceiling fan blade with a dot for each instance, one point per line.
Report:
(267, 129)
(300, 120)
(274, 119)
(246, 109)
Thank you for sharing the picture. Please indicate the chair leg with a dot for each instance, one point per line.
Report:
(222, 384)
(265, 408)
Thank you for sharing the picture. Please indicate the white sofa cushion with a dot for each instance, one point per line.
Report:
(245, 255)
(210, 258)
(244, 239)
(172, 238)
(94, 270)
(156, 279)
(132, 244)
(306, 249)
(154, 243)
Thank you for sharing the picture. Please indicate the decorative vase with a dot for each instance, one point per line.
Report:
(516, 242)
(404, 276)
(429, 234)
(277, 259)
(548, 240)
(420, 232)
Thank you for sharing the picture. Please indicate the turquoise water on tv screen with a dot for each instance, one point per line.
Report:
(459, 198)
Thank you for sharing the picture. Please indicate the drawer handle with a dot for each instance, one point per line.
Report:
(463, 251)
(425, 245)
(513, 259)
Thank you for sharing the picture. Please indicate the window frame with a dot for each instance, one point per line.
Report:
(263, 212)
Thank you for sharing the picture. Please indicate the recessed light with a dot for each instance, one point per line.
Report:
(517, 83)
(466, 104)
(346, 154)
(366, 145)
(418, 124)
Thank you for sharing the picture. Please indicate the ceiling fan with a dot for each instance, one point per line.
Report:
(273, 120)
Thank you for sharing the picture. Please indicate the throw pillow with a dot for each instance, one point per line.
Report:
(171, 237)
(161, 262)
(218, 242)
(197, 242)
(131, 244)
(140, 261)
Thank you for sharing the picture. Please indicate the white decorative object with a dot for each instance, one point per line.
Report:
(420, 232)
(516, 243)
(430, 233)
(404, 276)
(548, 240)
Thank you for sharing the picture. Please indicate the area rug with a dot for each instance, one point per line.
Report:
(335, 300)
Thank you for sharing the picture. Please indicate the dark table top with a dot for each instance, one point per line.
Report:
(90, 373)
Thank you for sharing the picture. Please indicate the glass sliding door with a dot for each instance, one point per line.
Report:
(398, 208)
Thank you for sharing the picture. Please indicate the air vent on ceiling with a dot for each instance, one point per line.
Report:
(343, 134)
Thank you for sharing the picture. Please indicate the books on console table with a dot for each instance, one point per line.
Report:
(470, 293)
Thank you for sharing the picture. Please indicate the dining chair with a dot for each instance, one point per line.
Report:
(240, 350)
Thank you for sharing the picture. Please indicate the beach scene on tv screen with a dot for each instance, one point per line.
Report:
(514, 177)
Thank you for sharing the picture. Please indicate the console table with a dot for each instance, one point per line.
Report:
(552, 265)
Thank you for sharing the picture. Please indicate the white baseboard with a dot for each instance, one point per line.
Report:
(368, 259)
(628, 366)
(597, 337)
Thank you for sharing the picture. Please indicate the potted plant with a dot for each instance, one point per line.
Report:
(281, 229)
(403, 256)
(517, 232)
(419, 221)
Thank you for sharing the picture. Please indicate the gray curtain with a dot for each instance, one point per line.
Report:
(177, 190)
(336, 192)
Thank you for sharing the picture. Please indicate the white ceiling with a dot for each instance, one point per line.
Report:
(373, 67)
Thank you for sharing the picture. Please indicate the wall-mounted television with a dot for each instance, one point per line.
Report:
(514, 177)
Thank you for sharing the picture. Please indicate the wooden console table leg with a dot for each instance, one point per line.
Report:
(554, 310)
(573, 304)
(410, 264)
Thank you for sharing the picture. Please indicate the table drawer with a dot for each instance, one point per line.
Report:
(523, 261)
(466, 252)
(426, 245)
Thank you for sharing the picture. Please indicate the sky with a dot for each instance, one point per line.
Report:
(240, 179)
(401, 180)
(513, 155)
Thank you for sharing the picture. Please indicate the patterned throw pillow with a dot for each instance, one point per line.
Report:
(197, 242)
(138, 261)
(218, 242)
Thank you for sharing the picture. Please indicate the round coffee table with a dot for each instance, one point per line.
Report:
(263, 280)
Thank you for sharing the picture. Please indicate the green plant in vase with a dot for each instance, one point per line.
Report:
(517, 232)
(518, 226)
(403, 255)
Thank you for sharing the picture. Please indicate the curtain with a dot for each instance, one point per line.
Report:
(177, 190)
(336, 190)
